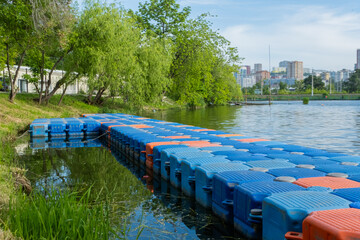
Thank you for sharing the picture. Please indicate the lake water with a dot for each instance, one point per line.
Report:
(159, 210)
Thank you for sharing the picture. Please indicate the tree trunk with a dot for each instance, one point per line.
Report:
(42, 76)
(62, 95)
(12, 81)
(59, 84)
(99, 95)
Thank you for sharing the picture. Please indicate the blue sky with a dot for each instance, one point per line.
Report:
(322, 34)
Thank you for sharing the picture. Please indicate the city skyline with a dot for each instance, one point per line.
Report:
(324, 35)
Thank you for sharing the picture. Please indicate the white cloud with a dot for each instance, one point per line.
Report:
(318, 36)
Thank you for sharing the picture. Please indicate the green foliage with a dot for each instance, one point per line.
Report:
(59, 215)
(352, 85)
(162, 17)
(318, 83)
(283, 86)
(305, 100)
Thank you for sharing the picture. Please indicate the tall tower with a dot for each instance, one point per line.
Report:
(257, 67)
(295, 70)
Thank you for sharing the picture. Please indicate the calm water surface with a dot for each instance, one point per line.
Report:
(162, 212)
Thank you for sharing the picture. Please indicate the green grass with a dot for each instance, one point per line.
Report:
(59, 215)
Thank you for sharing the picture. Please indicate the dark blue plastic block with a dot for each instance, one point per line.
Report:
(188, 171)
(165, 159)
(56, 127)
(232, 154)
(268, 143)
(175, 164)
(248, 196)
(223, 188)
(216, 149)
(296, 172)
(157, 155)
(74, 125)
(349, 170)
(271, 164)
(355, 177)
(348, 158)
(39, 129)
(91, 126)
(203, 179)
(284, 212)
(351, 194)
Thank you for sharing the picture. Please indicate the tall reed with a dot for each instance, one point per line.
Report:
(60, 214)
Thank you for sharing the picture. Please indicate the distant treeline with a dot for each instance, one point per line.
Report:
(139, 56)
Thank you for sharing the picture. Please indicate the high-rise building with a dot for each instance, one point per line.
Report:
(295, 70)
(358, 59)
(262, 75)
(257, 67)
(248, 70)
(284, 64)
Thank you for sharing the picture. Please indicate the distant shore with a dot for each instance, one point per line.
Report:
(299, 97)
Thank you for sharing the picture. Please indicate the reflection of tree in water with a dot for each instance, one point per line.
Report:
(216, 117)
(81, 168)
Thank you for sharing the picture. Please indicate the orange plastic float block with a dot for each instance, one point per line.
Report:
(250, 140)
(183, 126)
(109, 128)
(229, 135)
(339, 224)
(203, 130)
(200, 144)
(150, 151)
(177, 137)
(140, 126)
(143, 118)
(329, 182)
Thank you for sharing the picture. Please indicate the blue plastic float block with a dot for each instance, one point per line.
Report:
(75, 135)
(175, 164)
(228, 142)
(355, 205)
(348, 158)
(323, 154)
(271, 164)
(248, 196)
(232, 154)
(289, 156)
(291, 148)
(351, 194)
(57, 143)
(105, 126)
(223, 190)
(188, 171)
(244, 158)
(300, 159)
(204, 176)
(91, 127)
(296, 172)
(355, 177)
(284, 212)
(268, 143)
(56, 127)
(216, 149)
(39, 129)
(39, 142)
(142, 149)
(75, 143)
(41, 120)
(74, 125)
(165, 159)
(349, 170)
(157, 155)
(270, 151)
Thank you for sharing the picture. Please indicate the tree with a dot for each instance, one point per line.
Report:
(318, 83)
(352, 85)
(299, 85)
(162, 17)
(17, 36)
(53, 24)
(283, 86)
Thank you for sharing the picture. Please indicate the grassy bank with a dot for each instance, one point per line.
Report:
(35, 216)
